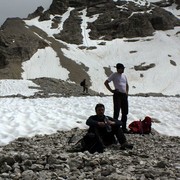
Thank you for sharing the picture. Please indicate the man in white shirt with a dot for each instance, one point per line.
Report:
(120, 94)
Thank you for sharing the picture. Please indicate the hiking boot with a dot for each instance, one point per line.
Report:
(126, 146)
(75, 149)
(125, 131)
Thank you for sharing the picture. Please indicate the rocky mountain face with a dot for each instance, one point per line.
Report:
(18, 42)
(112, 23)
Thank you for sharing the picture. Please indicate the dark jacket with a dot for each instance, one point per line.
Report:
(101, 132)
(92, 121)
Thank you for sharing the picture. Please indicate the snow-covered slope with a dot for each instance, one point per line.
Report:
(162, 49)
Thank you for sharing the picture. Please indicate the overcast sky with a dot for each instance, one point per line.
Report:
(20, 8)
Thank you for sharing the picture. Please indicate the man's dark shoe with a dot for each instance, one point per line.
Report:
(75, 149)
(125, 131)
(126, 146)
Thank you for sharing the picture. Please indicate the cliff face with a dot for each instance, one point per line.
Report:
(133, 21)
(18, 42)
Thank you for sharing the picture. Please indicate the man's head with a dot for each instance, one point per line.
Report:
(100, 109)
(120, 67)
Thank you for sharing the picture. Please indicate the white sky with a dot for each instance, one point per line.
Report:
(20, 8)
(27, 117)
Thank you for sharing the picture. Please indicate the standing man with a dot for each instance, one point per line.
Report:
(120, 94)
(84, 85)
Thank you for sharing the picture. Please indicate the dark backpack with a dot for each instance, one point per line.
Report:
(141, 127)
(82, 83)
(90, 142)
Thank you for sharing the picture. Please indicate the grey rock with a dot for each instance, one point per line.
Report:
(29, 175)
(36, 13)
(5, 168)
(153, 156)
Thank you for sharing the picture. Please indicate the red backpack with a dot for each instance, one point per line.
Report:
(141, 127)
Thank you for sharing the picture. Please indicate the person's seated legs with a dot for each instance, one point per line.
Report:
(121, 138)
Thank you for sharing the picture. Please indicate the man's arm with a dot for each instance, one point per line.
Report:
(106, 83)
(127, 88)
(91, 122)
(113, 121)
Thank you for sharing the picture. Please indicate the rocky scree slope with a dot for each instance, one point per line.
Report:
(153, 157)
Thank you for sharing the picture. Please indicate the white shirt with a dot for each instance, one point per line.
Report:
(119, 81)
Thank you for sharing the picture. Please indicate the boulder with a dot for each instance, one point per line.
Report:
(71, 32)
(59, 6)
(163, 20)
(36, 13)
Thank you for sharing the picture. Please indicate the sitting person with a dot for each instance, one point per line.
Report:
(102, 132)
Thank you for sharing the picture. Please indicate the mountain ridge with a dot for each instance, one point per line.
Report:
(106, 22)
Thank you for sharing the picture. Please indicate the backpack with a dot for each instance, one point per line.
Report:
(82, 83)
(141, 127)
(90, 142)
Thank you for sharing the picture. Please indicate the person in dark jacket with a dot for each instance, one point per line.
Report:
(104, 131)
(84, 85)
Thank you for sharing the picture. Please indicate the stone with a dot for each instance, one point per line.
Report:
(29, 175)
(148, 159)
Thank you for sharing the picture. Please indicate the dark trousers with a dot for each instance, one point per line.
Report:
(99, 138)
(120, 101)
(85, 89)
(108, 138)
(119, 134)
